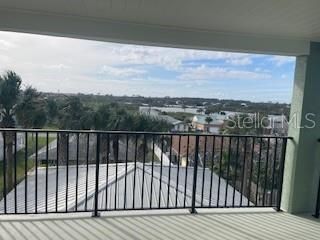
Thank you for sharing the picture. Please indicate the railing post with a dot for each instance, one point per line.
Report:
(317, 212)
(96, 193)
(281, 169)
(195, 172)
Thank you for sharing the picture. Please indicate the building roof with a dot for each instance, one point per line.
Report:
(170, 119)
(152, 112)
(82, 151)
(184, 143)
(118, 186)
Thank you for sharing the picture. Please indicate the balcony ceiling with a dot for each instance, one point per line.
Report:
(284, 26)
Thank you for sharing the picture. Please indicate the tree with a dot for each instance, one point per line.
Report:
(213, 108)
(10, 89)
(100, 122)
(200, 110)
(113, 117)
(245, 124)
(52, 109)
(72, 115)
(31, 109)
(208, 121)
(184, 107)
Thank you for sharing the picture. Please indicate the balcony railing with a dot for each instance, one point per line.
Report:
(57, 171)
(317, 210)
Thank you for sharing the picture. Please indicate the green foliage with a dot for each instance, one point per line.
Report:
(114, 117)
(208, 120)
(72, 114)
(200, 110)
(31, 109)
(51, 109)
(27, 108)
(213, 109)
(243, 124)
(10, 88)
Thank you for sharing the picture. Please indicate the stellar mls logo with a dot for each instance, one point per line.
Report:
(258, 120)
(308, 120)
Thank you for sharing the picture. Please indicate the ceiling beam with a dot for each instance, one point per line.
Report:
(133, 33)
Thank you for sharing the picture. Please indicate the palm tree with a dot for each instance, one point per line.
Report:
(100, 120)
(110, 117)
(52, 109)
(72, 115)
(114, 118)
(200, 110)
(208, 121)
(30, 111)
(10, 89)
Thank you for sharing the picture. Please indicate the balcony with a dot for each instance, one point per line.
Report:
(48, 171)
(145, 185)
(62, 175)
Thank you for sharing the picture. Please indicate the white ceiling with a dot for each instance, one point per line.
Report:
(294, 20)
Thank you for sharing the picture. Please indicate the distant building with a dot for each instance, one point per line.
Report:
(271, 124)
(244, 105)
(180, 127)
(199, 123)
(177, 125)
(183, 149)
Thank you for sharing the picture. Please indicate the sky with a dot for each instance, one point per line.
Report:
(66, 65)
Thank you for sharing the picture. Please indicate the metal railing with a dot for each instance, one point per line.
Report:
(61, 171)
(317, 210)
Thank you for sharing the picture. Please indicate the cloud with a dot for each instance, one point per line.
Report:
(174, 59)
(121, 72)
(56, 67)
(6, 45)
(218, 73)
(281, 60)
(72, 65)
(242, 61)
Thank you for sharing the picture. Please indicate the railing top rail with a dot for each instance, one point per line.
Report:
(140, 132)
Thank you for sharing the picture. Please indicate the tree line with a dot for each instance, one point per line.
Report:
(29, 108)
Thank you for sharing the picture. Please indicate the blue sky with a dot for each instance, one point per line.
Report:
(68, 65)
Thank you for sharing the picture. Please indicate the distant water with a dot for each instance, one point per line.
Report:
(172, 109)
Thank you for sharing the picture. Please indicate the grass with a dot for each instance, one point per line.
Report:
(42, 141)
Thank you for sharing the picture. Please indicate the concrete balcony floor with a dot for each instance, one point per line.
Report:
(224, 224)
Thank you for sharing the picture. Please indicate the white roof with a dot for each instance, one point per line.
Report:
(153, 112)
(120, 183)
